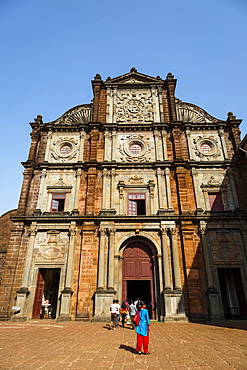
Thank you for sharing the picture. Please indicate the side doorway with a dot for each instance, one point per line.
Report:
(232, 294)
(138, 280)
(46, 296)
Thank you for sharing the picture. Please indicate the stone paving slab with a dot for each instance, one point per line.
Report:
(85, 345)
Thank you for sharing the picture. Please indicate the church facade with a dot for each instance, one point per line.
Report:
(136, 195)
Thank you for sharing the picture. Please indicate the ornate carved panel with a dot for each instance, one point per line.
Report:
(51, 245)
(135, 148)
(64, 148)
(134, 107)
(225, 246)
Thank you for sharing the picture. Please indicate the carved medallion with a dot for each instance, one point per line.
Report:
(64, 148)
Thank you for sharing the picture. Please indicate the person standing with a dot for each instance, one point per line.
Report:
(123, 312)
(132, 313)
(142, 330)
(113, 315)
(118, 308)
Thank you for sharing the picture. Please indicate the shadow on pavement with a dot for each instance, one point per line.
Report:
(127, 348)
(242, 325)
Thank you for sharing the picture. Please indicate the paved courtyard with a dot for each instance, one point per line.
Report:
(85, 345)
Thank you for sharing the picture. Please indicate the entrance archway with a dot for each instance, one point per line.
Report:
(138, 279)
(46, 290)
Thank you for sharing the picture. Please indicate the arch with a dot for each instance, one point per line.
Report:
(142, 237)
(140, 271)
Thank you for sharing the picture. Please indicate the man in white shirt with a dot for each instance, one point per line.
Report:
(113, 310)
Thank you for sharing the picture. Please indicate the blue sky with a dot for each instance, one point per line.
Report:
(52, 49)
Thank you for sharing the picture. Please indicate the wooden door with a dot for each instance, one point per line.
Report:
(138, 266)
(39, 293)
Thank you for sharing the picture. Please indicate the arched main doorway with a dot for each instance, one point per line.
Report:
(138, 279)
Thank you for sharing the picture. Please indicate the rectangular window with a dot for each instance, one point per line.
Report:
(58, 202)
(136, 204)
(216, 202)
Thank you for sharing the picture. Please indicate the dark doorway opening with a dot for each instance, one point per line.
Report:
(139, 289)
(232, 294)
(46, 297)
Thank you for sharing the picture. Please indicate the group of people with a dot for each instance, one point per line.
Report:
(139, 319)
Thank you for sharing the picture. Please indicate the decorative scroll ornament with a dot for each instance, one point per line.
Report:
(134, 108)
(136, 180)
(187, 112)
(211, 142)
(54, 247)
(64, 149)
(213, 182)
(224, 246)
(141, 142)
(80, 114)
(133, 81)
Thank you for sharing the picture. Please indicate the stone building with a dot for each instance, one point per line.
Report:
(137, 194)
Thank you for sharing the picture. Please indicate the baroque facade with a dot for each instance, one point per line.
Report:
(137, 194)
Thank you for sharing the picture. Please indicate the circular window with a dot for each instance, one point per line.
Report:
(135, 148)
(206, 148)
(65, 149)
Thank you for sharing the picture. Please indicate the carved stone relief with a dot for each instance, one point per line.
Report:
(187, 112)
(134, 107)
(140, 143)
(64, 149)
(206, 147)
(51, 246)
(224, 246)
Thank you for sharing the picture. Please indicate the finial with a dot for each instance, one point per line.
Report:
(97, 76)
(169, 76)
(230, 117)
(38, 119)
(133, 69)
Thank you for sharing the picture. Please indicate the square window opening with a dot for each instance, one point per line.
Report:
(58, 202)
(136, 204)
(215, 202)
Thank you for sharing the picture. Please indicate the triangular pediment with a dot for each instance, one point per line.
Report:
(134, 78)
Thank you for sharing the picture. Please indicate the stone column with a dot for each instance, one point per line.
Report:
(151, 196)
(24, 291)
(29, 256)
(48, 146)
(164, 136)
(233, 188)
(81, 150)
(101, 264)
(157, 146)
(113, 153)
(104, 175)
(160, 188)
(188, 135)
(168, 188)
(111, 259)
(155, 104)
(41, 191)
(160, 272)
(107, 148)
(161, 103)
(67, 291)
(77, 188)
(223, 142)
(207, 259)
(121, 197)
(244, 236)
(113, 175)
(196, 188)
(175, 259)
(165, 258)
(216, 309)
